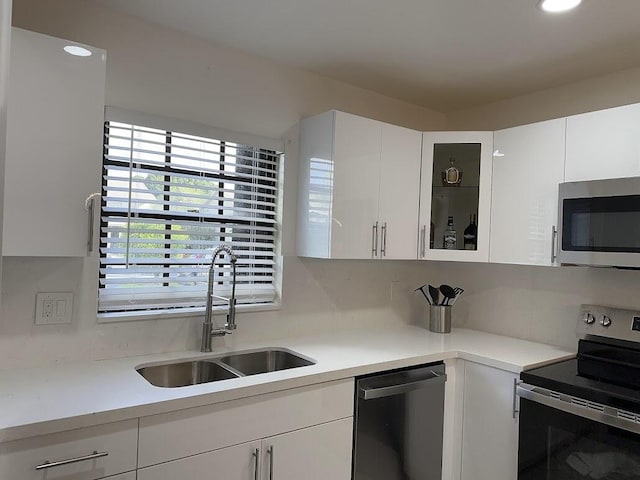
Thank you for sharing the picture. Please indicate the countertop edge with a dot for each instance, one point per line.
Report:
(548, 354)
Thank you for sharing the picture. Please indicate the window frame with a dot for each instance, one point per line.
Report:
(190, 128)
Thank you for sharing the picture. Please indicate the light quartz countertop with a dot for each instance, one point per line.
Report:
(37, 401)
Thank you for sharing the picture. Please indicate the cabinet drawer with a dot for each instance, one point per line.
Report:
(179, 434)
(19, 459)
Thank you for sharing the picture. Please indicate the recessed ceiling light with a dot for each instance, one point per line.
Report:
(77, 51)
(557, 6)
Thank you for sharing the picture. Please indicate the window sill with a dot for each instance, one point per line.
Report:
(183, 313)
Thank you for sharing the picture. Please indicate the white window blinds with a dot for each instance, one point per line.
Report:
(168, 199)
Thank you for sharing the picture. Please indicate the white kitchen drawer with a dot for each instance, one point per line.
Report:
(182, 433)
(19, 459)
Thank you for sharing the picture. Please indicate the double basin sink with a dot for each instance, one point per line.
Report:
(193, 372)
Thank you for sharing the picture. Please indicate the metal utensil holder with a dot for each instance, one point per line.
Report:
(440, 318)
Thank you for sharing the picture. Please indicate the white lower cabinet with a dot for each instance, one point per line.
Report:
(489, 429)
(320, 452)
(317, 453)
(239, 462)
(303, 432)
(82, 454)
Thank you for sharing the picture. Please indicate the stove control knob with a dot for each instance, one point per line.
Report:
(605, 321)
(589, 318)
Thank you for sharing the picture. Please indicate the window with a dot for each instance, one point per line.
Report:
(168, 199)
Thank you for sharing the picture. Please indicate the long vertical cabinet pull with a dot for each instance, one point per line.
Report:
(270, 452)
(554, 237)
(256, 460)
(374, 240)
(89, 207)
(383, 243)
(423, 241)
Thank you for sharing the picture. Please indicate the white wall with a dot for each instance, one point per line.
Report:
(159, 71)
(5, 42)
(606, 91)
(528, 302)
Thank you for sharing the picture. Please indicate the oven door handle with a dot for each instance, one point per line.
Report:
(612, 416)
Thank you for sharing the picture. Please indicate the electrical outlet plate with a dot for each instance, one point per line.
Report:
(54, 308)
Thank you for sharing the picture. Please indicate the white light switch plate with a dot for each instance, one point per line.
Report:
(54, 308)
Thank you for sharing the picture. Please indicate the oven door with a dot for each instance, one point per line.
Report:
(564, 438)
(599, 223)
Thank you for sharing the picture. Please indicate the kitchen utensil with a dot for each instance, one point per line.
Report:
(448, 293)
(435, 295)
(459, 291)
(424, 294)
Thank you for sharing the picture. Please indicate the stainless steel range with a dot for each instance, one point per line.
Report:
(580, 418)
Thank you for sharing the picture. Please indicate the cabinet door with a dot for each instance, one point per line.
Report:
(232, 463)
(54, 145)
(603, 144)
(528, 165)
(356, 180)
(441, 198)
(399, 192)
(81, 454)
(321, 452)
(489, 430)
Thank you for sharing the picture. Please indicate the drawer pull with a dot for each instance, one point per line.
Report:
(92, 456)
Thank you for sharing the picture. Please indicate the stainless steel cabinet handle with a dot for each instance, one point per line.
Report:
(383, 248)
(374, 240)
(89, 207)
(423, 242)
(515, 410)
(256, 456)
(92, 456)
(270, 452)
(554, 236)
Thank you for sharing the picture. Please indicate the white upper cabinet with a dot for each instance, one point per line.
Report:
(357, 189)
(455, 187)
(399, 192)
(54, 145)
(603, 144)
(528, 165)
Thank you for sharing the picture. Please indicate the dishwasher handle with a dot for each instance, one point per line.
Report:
(434, 378)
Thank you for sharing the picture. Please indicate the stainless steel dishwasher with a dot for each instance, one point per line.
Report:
(398, 425)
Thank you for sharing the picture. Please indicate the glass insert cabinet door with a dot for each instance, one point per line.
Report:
(455, 196)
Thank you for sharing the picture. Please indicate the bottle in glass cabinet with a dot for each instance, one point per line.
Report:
(470, 234)
(450, 241)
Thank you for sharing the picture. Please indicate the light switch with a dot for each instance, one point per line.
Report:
(54, 308)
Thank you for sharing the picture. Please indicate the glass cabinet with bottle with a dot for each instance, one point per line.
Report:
(455, 196)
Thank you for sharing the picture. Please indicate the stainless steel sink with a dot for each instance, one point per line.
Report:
(264, 361)
(185, 373)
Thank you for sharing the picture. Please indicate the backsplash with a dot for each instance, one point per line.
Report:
(534, 303)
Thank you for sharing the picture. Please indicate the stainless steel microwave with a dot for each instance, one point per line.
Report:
(599, 223)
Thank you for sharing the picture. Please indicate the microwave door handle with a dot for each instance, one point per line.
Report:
(554, 242)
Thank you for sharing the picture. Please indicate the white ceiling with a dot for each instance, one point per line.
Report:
(442, 54)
